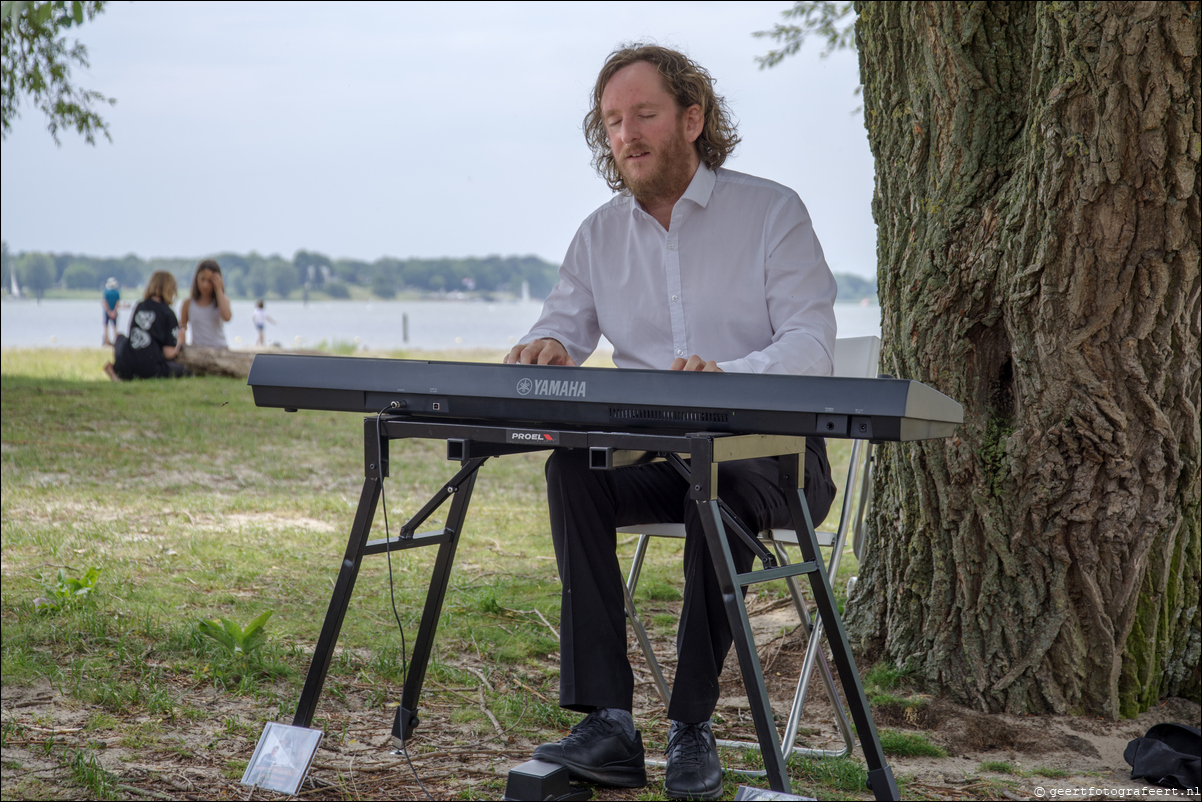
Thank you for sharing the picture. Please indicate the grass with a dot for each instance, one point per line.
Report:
(884, 686)
(1051, 774)
(837, 774)
(193, 504)
(909, 744)
(87, 772)
(885, 676)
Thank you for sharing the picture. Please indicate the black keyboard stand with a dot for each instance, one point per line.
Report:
(473, 444)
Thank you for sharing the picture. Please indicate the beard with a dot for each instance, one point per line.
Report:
(673, 170)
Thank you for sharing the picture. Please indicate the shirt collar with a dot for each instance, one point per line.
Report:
(699, 190)
(701, 187)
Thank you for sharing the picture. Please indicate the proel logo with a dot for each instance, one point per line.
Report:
(547, 387)
(520, 436)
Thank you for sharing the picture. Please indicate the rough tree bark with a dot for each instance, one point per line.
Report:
(1037, 203)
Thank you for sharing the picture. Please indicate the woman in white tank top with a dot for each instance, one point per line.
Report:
(208, 309)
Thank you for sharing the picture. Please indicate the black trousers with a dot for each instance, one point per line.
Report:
(587, 505)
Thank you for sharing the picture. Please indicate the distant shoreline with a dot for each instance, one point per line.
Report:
(133, 294)
(430, 324)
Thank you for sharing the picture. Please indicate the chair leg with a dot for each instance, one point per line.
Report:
(814, 653)
(858, 535)
(636, 565)
(640, 633)
(848, 523)
(814, 656)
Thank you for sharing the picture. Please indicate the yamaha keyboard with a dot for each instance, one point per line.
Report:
(606, 399)
(694, 421)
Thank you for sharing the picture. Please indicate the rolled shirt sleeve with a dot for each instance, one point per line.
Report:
(800, 292)
(570, 311)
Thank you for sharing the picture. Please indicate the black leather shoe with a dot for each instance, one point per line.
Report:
(598, 750)
(693, 769)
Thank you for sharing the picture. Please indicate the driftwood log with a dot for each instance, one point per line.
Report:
(205, 360)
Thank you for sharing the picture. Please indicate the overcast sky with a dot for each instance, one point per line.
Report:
(426, 129)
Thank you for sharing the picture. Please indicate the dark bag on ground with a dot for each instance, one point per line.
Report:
(1168, 755)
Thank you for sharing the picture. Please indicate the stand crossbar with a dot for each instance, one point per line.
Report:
(472, 445)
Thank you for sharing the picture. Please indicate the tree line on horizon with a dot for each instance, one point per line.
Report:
(255, 276)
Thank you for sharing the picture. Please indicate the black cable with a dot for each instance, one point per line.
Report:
(392, 598)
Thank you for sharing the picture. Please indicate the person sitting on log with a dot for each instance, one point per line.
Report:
(208, 309)
(154, 336)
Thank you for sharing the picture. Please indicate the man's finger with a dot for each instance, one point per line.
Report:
(554, 353)
(540, 352)
(695, 364)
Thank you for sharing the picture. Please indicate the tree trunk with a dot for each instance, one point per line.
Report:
(1037, 204)
(205, 360)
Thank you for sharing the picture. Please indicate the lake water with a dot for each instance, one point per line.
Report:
(433, 325)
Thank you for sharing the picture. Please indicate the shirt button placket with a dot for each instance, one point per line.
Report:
(675, 307)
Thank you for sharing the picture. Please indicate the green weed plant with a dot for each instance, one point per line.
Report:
(237, 641)
(68, 591)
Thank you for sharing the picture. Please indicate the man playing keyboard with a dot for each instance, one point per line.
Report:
(689, 267)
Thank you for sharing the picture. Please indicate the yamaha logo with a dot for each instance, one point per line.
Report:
(550, 388)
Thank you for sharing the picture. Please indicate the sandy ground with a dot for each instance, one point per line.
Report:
(197, 756)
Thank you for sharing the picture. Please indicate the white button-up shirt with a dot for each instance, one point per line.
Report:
(738, 278)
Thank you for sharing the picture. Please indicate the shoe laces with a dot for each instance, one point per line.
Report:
(589, 726)
(689, 744)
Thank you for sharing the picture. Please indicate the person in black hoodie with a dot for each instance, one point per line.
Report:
(152, 345)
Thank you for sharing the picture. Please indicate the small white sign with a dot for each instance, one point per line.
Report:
(282, 758)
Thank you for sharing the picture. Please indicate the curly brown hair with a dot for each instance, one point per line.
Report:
(688, 83)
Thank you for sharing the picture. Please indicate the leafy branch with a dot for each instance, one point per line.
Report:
(37, 64)
(821, 18)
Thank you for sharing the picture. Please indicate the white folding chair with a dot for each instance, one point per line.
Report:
(855, 357)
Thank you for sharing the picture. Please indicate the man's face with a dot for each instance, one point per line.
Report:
(651, 139)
